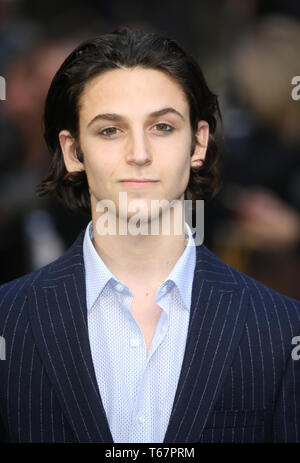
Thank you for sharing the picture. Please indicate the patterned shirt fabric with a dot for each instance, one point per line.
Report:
(137, 390)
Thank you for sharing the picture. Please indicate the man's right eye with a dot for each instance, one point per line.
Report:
(109, 131)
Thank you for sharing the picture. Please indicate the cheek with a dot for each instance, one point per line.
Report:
(100, 161)
(96, 164)
(183, 167)
(93, 169)
(176, 167)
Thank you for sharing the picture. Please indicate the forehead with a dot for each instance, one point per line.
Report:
(131, 90)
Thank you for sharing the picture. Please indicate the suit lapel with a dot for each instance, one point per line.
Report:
(58, 315)
(218, 312)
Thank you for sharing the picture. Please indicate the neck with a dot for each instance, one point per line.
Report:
(140, 261)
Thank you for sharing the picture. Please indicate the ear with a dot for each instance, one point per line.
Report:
(68, 147)
(202, 137)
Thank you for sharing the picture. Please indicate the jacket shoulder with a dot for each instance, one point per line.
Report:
(13, 294)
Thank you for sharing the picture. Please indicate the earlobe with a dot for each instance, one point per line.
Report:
(68, 147)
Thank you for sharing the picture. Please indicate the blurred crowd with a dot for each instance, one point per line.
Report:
(249, 51)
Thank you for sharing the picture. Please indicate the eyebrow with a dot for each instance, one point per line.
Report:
(118, 118)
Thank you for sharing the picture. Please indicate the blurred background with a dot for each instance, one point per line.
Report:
(249, 51)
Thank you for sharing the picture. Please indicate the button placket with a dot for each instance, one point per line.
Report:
(134, 342)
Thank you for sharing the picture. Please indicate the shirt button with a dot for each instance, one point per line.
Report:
(119, 287)
(134, 342)
(141, 419)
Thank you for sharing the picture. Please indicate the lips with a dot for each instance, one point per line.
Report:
(138, 180)
(138, 183)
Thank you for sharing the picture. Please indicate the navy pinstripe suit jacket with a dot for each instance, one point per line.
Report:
(238, 382)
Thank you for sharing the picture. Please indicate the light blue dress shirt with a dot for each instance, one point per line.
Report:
(137, 390)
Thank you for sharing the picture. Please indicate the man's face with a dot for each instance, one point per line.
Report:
(121, 138)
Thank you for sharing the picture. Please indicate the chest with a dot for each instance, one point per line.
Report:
(147, 314)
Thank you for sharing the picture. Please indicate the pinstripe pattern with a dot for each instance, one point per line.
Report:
(238, 381)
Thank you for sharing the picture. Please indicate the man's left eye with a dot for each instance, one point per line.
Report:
(162, 127)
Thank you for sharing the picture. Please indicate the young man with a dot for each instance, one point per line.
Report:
(132, 337)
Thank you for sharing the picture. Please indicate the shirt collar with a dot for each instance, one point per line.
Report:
(97, 274)
(182, 274)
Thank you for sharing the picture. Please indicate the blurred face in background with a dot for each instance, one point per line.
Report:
(28, 78)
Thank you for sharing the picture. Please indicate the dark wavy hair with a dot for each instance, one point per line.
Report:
(124, 48)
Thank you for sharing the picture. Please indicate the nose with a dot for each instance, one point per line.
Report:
(138, 150)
